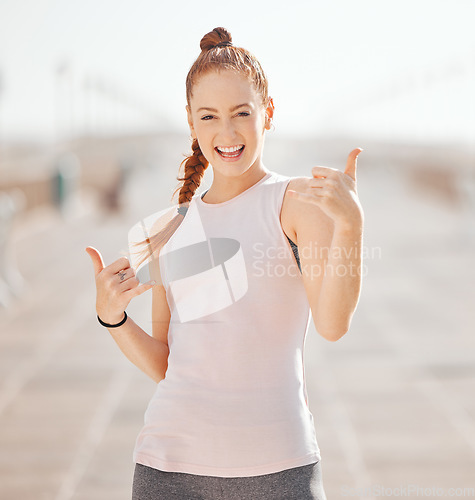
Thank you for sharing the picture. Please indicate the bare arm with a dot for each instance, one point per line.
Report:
(335, 295)
(148, 353)
(327, 218)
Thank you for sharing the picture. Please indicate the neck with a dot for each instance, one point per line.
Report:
(226, 187)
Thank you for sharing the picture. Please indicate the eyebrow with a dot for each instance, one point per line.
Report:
(216, 111)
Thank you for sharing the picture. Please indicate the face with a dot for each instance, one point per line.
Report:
(227, 113)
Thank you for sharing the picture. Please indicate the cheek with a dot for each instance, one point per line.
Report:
(254, 127)
(203, 134)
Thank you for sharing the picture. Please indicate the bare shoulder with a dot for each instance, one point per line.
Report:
(298, 218)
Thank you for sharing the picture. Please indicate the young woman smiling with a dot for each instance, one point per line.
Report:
(230, 416)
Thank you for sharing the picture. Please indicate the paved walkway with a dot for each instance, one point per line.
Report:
(392, 400)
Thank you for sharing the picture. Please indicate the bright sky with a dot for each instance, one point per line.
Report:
(392, 70)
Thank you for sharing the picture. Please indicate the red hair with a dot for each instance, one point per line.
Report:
(217, 54)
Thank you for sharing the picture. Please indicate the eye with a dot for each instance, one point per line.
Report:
(244, 113)
(205, 118)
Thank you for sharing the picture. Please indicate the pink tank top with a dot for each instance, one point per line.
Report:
(233, 401)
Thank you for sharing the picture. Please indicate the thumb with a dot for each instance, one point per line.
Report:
(351, 163)
(96, 258)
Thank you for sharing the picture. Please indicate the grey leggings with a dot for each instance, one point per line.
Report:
(298, 483)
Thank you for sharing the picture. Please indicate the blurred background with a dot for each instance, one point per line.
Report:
(92, 132)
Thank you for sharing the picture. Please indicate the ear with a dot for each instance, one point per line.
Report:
(269, 112)
(190, 122)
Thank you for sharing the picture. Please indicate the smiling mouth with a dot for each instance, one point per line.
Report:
(233, 154)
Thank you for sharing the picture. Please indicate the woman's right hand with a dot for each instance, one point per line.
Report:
(116, 286)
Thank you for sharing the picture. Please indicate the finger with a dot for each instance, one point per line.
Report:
(134, 292)
(317, 182)
(96, 259)
(323, 171)
(119, 265)
(124, 284)
(123, 276)
(128, 284)
(351, 163)
(307, 198)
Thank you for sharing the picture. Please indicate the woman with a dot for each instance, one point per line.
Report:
(232, 294)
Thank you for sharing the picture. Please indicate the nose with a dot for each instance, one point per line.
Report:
(227, 131)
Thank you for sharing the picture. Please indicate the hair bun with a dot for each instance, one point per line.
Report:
(216, 37)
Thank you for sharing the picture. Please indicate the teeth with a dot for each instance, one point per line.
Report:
(229, 150)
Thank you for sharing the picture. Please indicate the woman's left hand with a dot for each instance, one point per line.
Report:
(335, 192)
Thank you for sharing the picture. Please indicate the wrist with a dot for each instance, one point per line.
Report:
(116, 322)
(111, 317)
(349, 227)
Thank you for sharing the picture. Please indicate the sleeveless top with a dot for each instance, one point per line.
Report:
(182, 210)
(233, 402)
